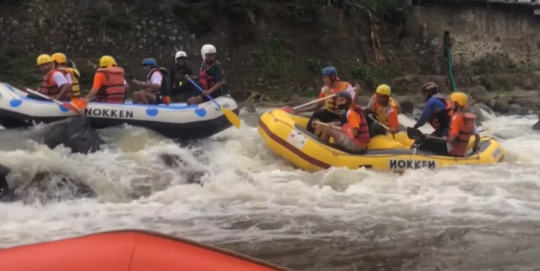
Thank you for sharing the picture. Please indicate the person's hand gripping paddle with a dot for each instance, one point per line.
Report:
(76, 105)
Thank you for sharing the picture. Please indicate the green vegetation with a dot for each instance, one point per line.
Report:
(18, 67)
(200, 14)
(314, 65)
(276, 58)
(373, 75)
(10, 3)
(104, 16)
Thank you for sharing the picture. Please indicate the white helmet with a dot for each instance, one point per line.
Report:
(179, 54)
(207, 49)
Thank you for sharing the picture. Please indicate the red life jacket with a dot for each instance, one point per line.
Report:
(459, 146)
(48, 86)
(363, 131)
(207, 81)
(114, 90)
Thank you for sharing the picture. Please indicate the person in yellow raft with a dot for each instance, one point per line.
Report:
(462, 128)
(384, 109)
(72, 74)
(354, 133)
(53, 82)
(332, 86)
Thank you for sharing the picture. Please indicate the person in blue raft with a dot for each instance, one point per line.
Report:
(156, 89)
(438, 110)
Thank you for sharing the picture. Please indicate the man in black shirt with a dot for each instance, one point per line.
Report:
(179, 83)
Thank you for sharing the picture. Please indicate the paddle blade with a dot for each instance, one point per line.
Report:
(72, 108)
(80, 103)
(287, 109)
(231, 116)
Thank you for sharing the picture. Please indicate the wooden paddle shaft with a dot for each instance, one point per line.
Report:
(316, 101)
(372, 118)
(326, 124)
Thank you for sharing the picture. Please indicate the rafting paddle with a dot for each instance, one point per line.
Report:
(69, 106)
(290, 110)
(231, 116)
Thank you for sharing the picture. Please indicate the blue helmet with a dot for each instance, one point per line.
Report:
(149, 61)
(330, 71)
(344, 94)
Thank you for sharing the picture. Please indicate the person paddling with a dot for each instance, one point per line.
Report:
(332, 86)
(354, 135)
(53, 82)
(109, 83)
(211, 76)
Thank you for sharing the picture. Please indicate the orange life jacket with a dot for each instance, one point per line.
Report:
(442, 118)
(362, 137)
(459, 146)
(330, 104)
(48, 86)
(114, 90)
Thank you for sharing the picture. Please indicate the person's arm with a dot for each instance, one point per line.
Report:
(430, 105)
(476, 138)
(354, 121)
(99, 80)
(393, 120)
(61, 81)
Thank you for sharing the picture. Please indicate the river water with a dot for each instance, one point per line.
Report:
(253, 202)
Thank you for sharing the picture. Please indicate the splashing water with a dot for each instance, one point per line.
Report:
(467, 218)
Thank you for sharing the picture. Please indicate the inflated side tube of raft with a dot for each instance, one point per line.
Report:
(177, 120)
(286, 135)
(129, 250)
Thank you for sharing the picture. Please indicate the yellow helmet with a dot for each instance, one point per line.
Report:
(59, 58)
(383, 90)
(107, 61)
(460, 98)
(43, 59)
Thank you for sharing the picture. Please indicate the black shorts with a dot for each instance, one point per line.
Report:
(159, 99)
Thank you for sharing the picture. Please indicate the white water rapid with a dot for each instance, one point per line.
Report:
(252, 201)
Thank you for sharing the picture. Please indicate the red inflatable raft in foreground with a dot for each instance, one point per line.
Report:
(126, 251)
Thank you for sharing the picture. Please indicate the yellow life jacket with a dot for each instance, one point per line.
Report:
(75, 88)
(382, 112)
(330, 104)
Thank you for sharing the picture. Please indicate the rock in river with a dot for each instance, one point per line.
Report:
(74, 133)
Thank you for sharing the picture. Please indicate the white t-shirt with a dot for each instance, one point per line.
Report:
(349, 89)
(59, 78)
(125, 82)
(156, 78)
(68, 77)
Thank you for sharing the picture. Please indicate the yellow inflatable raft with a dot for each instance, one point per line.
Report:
(286, 135)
